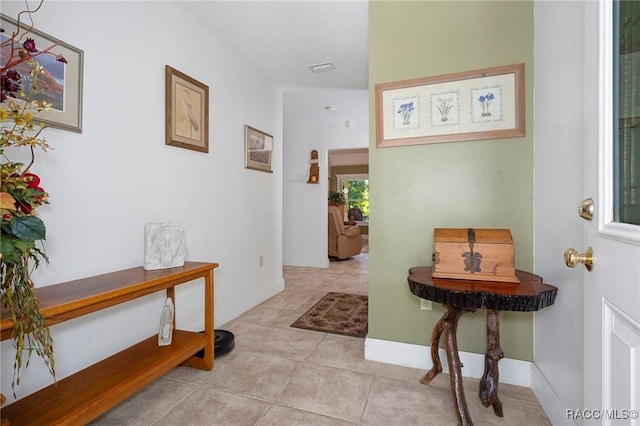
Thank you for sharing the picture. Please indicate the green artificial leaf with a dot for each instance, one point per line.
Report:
(8, 250)
(28, 228)
(23, 245)
(6, 229)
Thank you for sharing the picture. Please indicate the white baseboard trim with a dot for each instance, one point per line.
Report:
(552, 405)
(239, 307)
(512, 371)
(306, 262)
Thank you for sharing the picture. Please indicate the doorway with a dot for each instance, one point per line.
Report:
(348, 172)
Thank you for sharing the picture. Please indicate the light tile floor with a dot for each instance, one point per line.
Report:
(278, 375)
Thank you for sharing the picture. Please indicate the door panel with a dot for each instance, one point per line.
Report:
(612, 289)
(621, 336)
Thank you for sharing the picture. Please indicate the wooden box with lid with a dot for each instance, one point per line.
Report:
(474, 254)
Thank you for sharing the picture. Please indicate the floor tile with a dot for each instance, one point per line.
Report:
(284, 416)
(288, 343)
(245, 332)
(397, 402)
(270, 317)
(400, 372)
(258, 376)
(193, 375)
(516, 412)
(210, 406)
(293, 300)
(148, 405)
(329, 391)
(342, 352)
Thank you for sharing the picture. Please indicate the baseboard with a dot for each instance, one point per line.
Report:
(553, 407)
(239, 307)
(512, 371)
(306, 262)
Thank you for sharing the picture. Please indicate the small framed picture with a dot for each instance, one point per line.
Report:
(186, 111)
(258, 150)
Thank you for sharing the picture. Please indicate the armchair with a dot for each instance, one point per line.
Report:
(354, 214)
(344, 239)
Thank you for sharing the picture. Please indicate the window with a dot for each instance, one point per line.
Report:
(356, 192)
(626, 45)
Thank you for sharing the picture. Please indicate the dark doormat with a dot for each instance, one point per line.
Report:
(337, 313)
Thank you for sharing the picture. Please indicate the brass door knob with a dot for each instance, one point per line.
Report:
(572, 258)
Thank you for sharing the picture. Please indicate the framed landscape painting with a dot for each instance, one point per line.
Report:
(60, 84)
(258, 150)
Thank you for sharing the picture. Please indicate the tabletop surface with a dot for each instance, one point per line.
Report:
(90, 294)
(531, 294)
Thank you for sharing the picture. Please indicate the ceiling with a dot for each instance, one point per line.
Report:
(283, 38)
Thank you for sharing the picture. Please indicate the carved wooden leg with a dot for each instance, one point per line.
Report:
(450, 323)
(489, 381)
(435, 356)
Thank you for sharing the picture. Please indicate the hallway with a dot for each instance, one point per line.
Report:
(278, 375)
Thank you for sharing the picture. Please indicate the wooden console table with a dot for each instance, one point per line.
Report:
(85, 395)
(460, 296)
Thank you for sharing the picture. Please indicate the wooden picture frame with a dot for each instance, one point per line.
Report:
(472, 105)
(258, 148)
(186, 111)
(63, 88)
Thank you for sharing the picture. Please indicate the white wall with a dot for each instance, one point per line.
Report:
(107, 182)
(559, 137)
(309, 126)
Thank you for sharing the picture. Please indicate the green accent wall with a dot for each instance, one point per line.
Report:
(480, 184)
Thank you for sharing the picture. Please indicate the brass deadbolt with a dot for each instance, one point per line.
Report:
(585, 209)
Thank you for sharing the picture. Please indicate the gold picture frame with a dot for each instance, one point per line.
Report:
(258, 148)
(186, 111)
(472, 105)
(63, 88)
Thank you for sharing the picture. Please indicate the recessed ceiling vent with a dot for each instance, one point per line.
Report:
(323, 67)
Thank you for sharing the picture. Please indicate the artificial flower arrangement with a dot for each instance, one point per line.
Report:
(21, 194)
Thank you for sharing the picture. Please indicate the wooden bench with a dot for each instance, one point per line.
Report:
(85, 395)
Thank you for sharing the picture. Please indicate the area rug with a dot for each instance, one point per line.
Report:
(337, 313)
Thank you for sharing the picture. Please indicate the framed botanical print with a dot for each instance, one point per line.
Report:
(471, 105)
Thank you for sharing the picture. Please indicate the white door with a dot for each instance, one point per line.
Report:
(612, 288)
